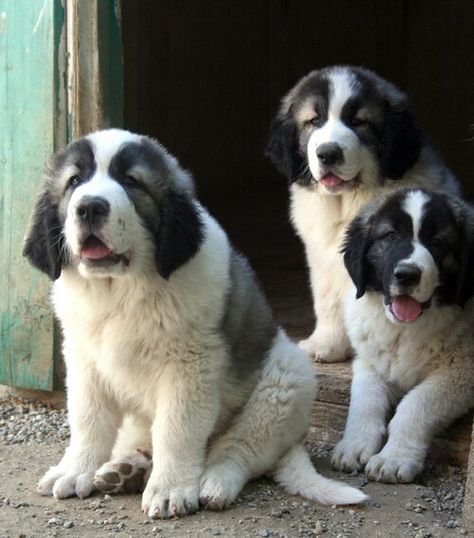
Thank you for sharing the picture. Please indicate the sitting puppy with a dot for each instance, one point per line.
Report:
(343, 136)
(411, 258)
(165, 330)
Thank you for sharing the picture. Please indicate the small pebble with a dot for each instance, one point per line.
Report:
(68, 524)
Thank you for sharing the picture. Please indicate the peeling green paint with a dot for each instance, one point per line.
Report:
(32, 127)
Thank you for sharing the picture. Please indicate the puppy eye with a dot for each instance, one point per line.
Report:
(74, 181)
(313, 122)
(357, 122)
(390, 234)
(130, 180)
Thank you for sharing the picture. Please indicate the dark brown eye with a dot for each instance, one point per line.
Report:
(389, 234)
(357, 122)
(130, 181)
(313, 122)
(74, 181)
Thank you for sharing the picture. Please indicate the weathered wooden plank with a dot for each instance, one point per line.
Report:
(32, 126)
(95, 66)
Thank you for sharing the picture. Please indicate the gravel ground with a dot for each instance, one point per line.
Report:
(33, 436)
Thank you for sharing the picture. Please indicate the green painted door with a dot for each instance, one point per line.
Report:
(38, 113)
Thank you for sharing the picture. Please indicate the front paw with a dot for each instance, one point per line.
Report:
(220, 485)
(162, 501)
(327, 346)
(66, 481)
(352, 454)
(392, 470)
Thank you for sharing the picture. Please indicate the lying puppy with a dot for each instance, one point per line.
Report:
(343, 136)
(165, 330)
(411, 258)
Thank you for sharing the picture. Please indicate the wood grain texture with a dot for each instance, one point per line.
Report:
(32, 105)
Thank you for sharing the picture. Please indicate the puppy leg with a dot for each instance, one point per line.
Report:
(425, 410)
(274, 419)
(131, 463)
(366, 423)
(186, 412)
(94, 421)
(329, 341)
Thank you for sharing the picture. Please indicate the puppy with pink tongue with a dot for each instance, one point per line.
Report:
(410, 256)
(406, 309)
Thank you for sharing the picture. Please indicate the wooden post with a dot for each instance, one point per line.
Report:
(32, 126)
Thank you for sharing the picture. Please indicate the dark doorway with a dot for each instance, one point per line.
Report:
(205, 78)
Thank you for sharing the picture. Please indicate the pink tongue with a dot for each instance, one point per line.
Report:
(406, 309)
(96, 252)
(331, 180)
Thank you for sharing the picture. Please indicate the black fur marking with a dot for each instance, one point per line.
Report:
(286, 146)
(402, 142)
(180, 233)
(355, 248)
(177, 227)
(372, 249)
(79, 154)
(132, 154)
(43, 245)
(283, 148)
(449, 239)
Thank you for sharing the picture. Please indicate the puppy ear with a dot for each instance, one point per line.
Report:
(465, 281)
(43, 245)
(180, 233)
(402, 141)
(355, 247)
(282, 147)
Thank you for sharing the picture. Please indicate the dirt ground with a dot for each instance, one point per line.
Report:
(430, 508)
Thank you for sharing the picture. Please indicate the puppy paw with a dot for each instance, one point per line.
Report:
(162, 501)
(352, 454)
(127, 474)
(392, 470)
(327, 346)
(220, 486)
(62, 482)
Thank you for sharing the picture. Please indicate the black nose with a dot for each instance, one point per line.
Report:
(330, 153)
(407, 275)
(92, 208)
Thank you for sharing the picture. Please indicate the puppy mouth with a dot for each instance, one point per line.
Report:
(406, 309)
(94, 252)
(334, 182)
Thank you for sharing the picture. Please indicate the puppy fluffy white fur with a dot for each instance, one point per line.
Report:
(165, 331)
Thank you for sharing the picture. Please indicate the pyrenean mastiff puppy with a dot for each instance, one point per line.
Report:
(343, 136)
(410, 318)
(169, 345)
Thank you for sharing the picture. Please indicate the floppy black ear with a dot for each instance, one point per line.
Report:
(282, 147)
(402, 141)
(180, 233)
(356, 245)
(465, 288)
(43, 244)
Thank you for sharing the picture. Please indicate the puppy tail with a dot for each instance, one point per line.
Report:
(296, 474)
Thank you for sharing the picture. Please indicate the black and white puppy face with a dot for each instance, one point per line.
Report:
(341, 128)
(414, 248)
(114, 202)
